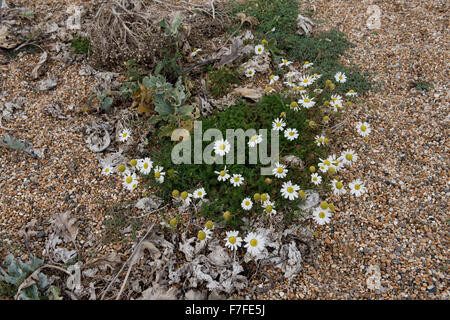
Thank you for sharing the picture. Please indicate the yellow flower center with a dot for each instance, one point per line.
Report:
(222, 173)
(322, 215)
(291, 133)
(363, 128)
(201, 235)
(199, 193)
(145, 165)
(357, 187)
(253, 242)
(222, 147)
(352, 91)
(264, 197)
(271, 77)
(173, 222)
(320, 139)
(134, 185)
(247, 203)
(307, 100)
(305, 81)
(326, 162)
(157, 174)
(285, 61)
(290, 189)
(254, 138)
(121, 168)
(339, 185)
(302, 194)
(315, 178)
(349, 156)
(340, 77)
(280, 170)
(232, 240)
(236, 179)
(133, 162)
(278, 124)
(184, 195)
(107, 170)
(124, 134)
(227, 215)
(269, 209)
(324, 205)
(129, 180)
(306, 62)
(209, 225)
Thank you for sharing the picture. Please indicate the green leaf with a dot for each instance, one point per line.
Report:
(146, 82)
(107, 102)
(185, 110)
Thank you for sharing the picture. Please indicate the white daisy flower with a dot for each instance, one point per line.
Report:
(320, 140)
(188, 198)
(307, 65)
(340, 77)
(280, 170)
(223, 174)
(204, 235)
(259, 49)
(199, 193)
(337, 99)
(195, 52)
(250, 72)
(338, 187)
(222, 147)
(357, 187)
(349, 157)
(316, 179)
(273, 79)
(107, 170)
(316, 76)
(321, 216)
(351, 93)
(328, 163)
(254, 243)
(159, 174)
(291, 134)
(233, 241)
(278, 124)
(318, 91)
(236, 180)
(290, 75)
(124, 135)
(269, 207)
(289, 83)
(289, 190)
(247, 204)
(306, 81)
(338, 163)
(270, 90)
(256, 139)
(284, 62)
(130, 181)
(144, 165)
(306, 102)
(363, 128)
